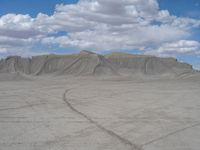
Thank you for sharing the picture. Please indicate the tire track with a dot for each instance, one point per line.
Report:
(107, 131)
(22, 107)
(170, 134)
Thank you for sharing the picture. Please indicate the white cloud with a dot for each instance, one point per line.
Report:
(100, 25)
(3, 50)
(117, 39)
(19, 26)
(18, 34)
(95, 25)
(182, 46)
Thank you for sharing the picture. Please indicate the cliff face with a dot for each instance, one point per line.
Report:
(148, 65)
(15, 64)
(88, 63)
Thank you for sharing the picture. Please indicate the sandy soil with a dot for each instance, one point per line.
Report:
(66, 113)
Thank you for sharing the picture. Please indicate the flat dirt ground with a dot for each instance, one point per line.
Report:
(66, 113)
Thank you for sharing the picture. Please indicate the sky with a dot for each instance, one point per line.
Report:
(165, 28)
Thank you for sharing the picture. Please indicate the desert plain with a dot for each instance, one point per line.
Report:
(68, 112)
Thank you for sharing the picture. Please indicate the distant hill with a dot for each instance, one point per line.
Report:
(87, 63)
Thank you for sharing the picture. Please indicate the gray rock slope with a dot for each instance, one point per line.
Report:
(89, 63)
(148, 65)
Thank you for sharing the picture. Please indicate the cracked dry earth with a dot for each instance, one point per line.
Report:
(66, 113)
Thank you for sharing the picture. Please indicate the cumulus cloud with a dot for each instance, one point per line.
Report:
(115, 25)
(123, 39)
(19, 26)
(18, 34)
(182, 46)
(172, 49)
(101, 25)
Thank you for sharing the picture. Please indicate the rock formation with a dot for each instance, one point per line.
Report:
(88, 63)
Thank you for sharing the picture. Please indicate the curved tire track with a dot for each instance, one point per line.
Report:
(170, 134)
(107, 131)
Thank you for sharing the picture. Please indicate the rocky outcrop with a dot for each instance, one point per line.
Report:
(88, 63)
(147, 65)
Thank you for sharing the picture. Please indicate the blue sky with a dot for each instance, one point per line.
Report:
(186, 8)
(32, 7)
(101, 26)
